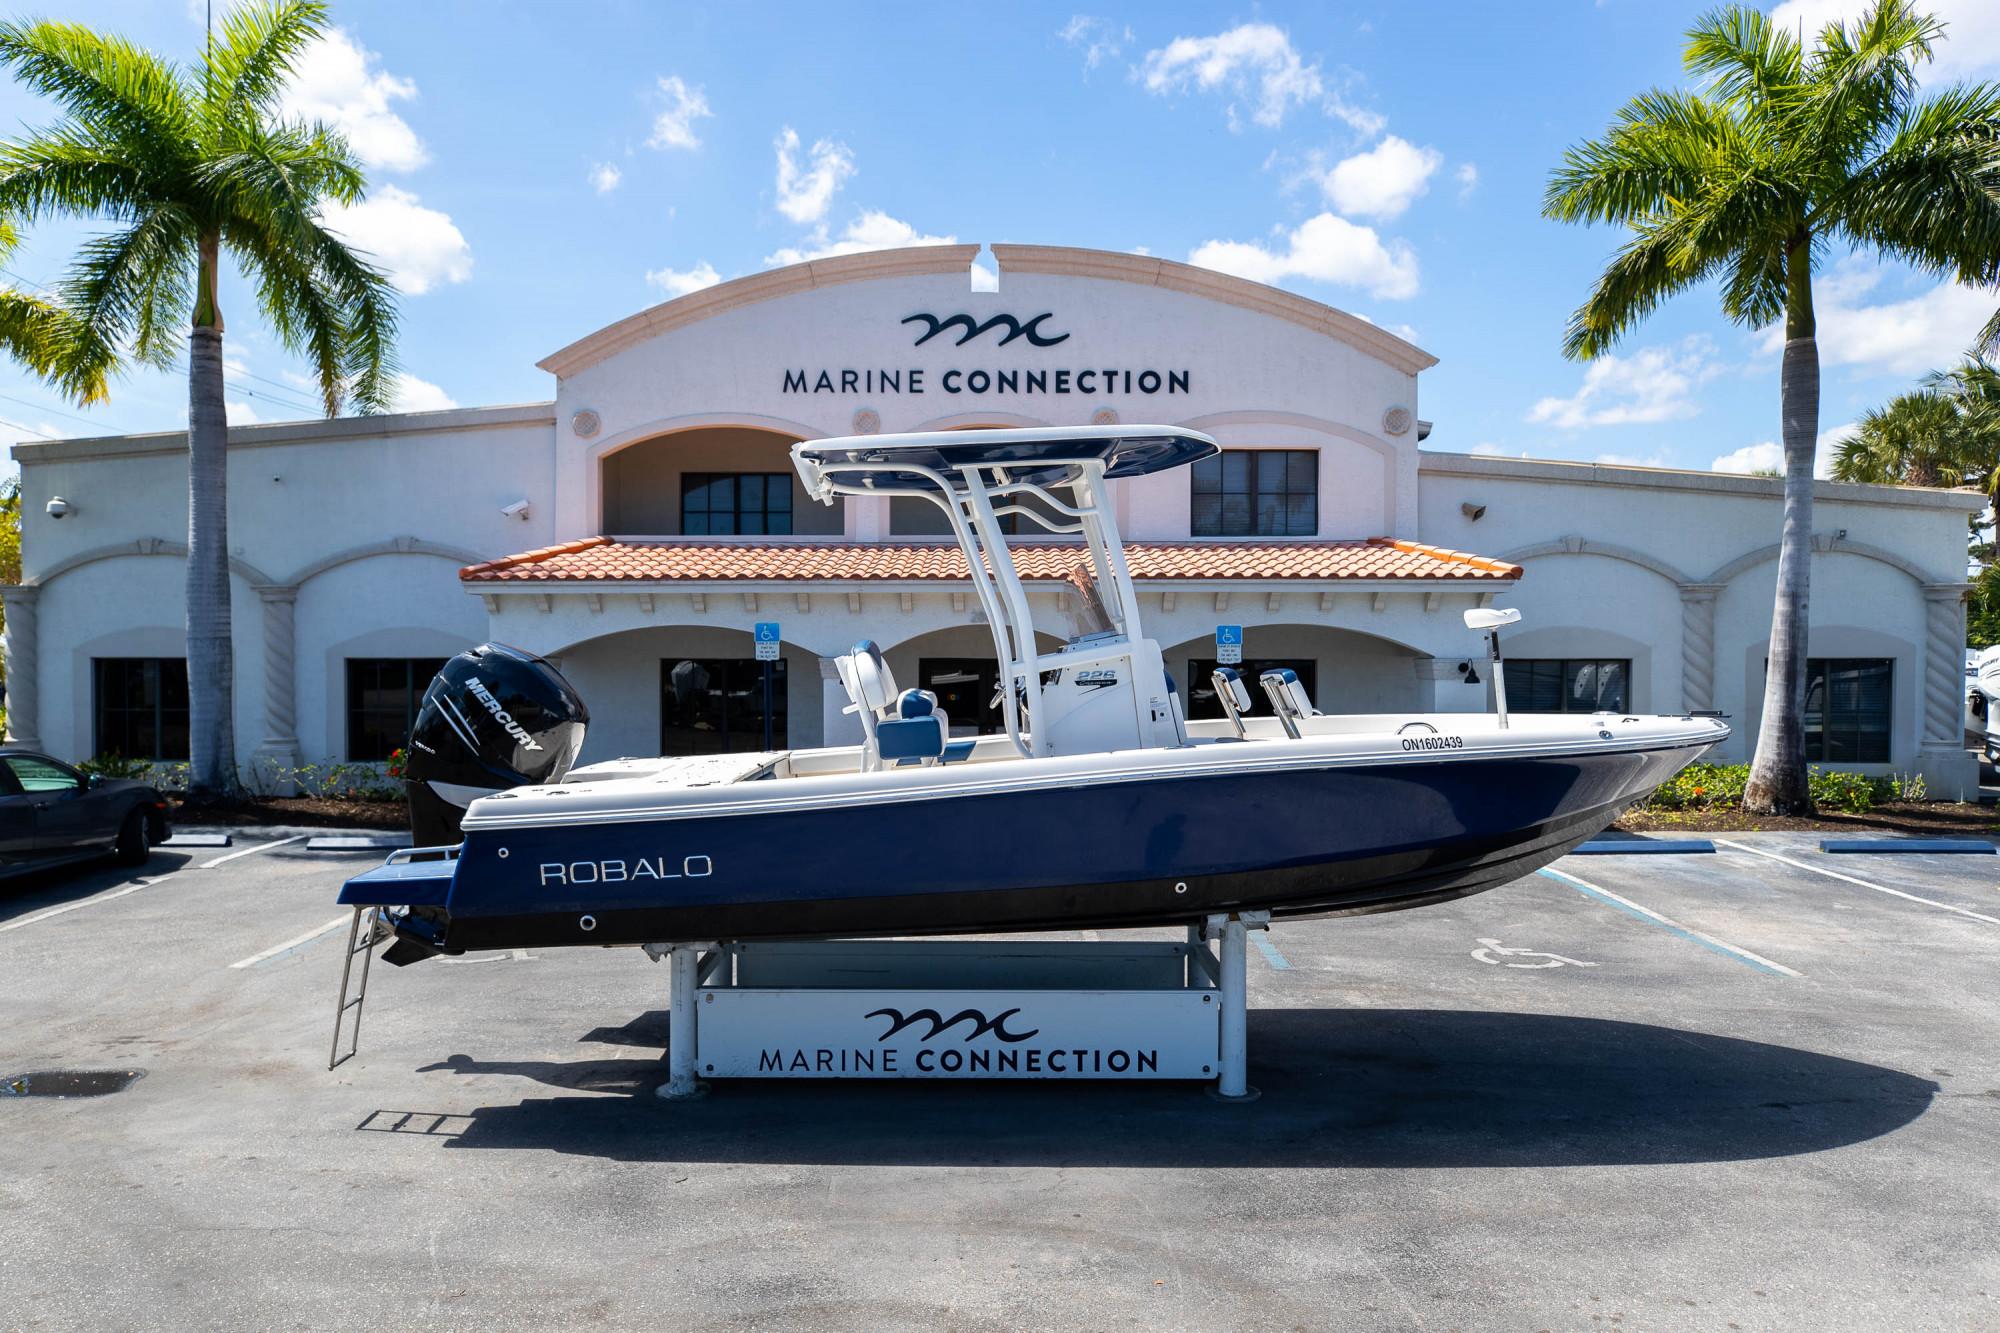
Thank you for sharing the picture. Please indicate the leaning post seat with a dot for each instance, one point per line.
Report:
(1289, 699)
(1232, 694)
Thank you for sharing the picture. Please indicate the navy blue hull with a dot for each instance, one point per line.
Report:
(1145, 852)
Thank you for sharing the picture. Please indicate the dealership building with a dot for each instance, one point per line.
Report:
(638, 527)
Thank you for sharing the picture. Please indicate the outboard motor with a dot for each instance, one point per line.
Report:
(494, 718)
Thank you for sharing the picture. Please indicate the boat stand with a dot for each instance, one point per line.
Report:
(928, 1008)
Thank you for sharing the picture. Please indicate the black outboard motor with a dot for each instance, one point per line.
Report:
(494, 718)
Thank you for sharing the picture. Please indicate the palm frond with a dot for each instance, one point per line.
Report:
(56, 345)
(1650, 267)
(1660, 149)
(253, 56)
(1932, 196)
(65, 172)
(123, 283)
(121, 91)
(1746, 57)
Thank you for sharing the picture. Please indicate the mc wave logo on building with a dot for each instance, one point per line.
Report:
(977, 381)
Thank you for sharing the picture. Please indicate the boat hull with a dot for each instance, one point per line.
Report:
(1338, 839)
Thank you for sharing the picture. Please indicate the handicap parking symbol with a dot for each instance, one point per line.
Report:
(1498, 954)
(1228, 645)
(767, 641)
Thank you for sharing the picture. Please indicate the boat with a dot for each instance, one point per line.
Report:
(1099, 804)
(1982, 690)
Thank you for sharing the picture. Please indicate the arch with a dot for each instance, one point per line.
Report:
(1584, 546)
(458, 555)
(1297, 420)
(143, 546)
(594, 458)
(975, 420)
(1823, 546)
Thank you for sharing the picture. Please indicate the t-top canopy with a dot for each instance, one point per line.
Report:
(1043, 457)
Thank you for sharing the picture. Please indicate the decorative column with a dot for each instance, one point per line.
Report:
(1698, 644)
(278, 752)
(1947, 766)
(23, 664)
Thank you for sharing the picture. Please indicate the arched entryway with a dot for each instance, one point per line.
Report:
(711, 481)
(1344, 670)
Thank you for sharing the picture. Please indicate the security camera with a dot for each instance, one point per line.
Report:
(57, 506)
(519, 509)
(1472, 511)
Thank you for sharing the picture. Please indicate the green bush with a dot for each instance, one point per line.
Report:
(1720, 786)
(116, 766)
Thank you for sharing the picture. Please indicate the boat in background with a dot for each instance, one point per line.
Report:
(1099, 804)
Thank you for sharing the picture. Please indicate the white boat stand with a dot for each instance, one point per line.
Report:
(1112, 1008)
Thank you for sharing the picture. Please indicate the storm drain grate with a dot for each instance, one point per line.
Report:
(69, 1082)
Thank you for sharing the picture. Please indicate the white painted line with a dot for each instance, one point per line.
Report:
(1879, 888)
(343, 919)
(84, 902)
(251, 851)
(1685, 932)
(199, 840)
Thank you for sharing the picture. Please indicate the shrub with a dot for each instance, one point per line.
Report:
(116, 766)
(1848, 792)
(1701, 787)
(1720, 786)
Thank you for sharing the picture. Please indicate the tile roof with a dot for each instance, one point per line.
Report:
(608, 560)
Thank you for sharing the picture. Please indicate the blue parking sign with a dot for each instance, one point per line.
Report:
(768, 640)
(1228, 645)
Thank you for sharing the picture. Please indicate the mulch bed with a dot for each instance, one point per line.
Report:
(1937, 819)
(301, 811)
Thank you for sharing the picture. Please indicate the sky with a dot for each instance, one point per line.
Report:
(540, 170)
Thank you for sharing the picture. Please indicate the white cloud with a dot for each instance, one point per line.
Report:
(1631, 460)
(1324, 248)
(1100, 40)
(984, 279)
(1252, 63)
(604, 177)
(1652, 384)
(1971, 44)
(1906, 337)
(1382, 182)
(335, 81)
(679, 282)
(415, 395)
(674, 126)
(1768, 456)
(1488, 449)
(420, 247)
(1467, 177)
(804, 194)
(241, 414)
(873, 230)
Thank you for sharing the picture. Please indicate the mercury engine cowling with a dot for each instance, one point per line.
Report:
(494, 718)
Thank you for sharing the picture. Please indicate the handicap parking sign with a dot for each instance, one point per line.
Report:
(767, 641)
(1228, 645)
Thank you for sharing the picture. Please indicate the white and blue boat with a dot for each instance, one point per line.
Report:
(1099, 804)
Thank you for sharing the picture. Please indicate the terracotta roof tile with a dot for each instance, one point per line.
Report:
(605, 560)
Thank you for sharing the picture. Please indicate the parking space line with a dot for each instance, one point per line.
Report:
(295, 942)
(1743, 956)
(82, 902)
(251, 851)
(1262, 940)
(1879, 888)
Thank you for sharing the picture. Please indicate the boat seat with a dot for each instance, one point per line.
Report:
(919, 733)
(1288, 697)
(1232, 694)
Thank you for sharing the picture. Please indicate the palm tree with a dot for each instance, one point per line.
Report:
(1783, 155)
(1915, 439)
(191, 164)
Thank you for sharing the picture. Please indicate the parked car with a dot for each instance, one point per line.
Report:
(52, 814)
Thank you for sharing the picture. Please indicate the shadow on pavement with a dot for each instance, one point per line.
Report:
(32, 891)
(1341, 1088)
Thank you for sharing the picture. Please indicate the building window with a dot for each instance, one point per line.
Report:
(1257, 493)
(1201, 700)
(965, 687)
(713, 705)
(1847, 709)
(1568, 684)
(383, 695)
(729, 504)
(141, 706)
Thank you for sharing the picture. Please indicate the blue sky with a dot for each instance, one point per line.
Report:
(540, 170)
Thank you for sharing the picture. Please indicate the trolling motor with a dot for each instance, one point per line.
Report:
(494, 718)
(1490, 619)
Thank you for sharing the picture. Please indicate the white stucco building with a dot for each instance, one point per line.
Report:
(636, 528)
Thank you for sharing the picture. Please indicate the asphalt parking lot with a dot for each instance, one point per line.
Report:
(1705, 1092)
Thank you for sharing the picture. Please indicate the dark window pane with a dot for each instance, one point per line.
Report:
(1264, 493)
(694, 525)
(1207, 479)
(750, 492)
(1300, 519)
(1301, 470)
(716, 705)
(1236, 469)
(383, 695)
(140, 707)
(1206, 521)
(965, 689)
(717, 504)
(1236, 515)
(1567, 685)
(1848, 709)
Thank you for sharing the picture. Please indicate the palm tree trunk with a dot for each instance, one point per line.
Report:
(1778, 782)
(211, 696)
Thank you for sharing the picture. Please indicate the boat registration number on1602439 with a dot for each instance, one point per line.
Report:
(1433, 742)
